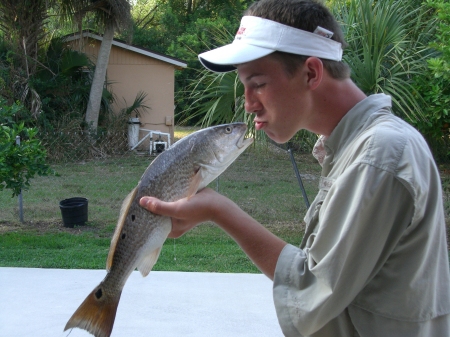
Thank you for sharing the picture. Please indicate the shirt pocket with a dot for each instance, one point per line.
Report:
(312, 220)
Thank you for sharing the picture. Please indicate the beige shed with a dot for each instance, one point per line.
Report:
(132, 69)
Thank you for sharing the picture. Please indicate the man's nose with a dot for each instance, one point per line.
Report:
(252, 103)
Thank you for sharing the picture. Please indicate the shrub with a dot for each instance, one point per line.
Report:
(434, 87)
(19, 162)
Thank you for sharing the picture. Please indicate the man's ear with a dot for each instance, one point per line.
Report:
(314, 67)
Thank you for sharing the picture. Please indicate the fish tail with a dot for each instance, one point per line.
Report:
(96, 314)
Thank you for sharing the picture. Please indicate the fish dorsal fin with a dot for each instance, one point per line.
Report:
(195, 183)
(123, 213)
(148, 261)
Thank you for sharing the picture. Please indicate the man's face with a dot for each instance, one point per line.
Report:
(279, 101)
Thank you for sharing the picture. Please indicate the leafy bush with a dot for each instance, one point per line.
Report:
(434, 87)
(19, 163)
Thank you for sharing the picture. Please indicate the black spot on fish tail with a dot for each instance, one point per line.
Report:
(99, 293)
(124, 236)
(133, 217)
(96, 314)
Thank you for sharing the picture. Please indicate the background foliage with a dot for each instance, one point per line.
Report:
(433, 85)
(19, 161)
(387, 46)
(397, 47)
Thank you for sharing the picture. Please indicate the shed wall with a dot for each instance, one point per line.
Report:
(128, 73)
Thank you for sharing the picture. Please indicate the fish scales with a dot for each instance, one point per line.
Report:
(179, 170)
(188, 166)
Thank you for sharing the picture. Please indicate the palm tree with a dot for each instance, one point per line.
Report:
(22, 24)
(388, 46)
(111, 15)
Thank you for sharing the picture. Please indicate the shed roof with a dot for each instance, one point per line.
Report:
(122, 44)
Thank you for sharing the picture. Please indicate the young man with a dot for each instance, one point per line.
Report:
(374, 260)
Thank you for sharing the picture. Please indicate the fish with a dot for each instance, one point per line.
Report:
(186, 167)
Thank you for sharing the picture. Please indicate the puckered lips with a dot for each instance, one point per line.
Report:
(259, 125)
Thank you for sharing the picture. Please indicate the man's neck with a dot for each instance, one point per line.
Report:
(334, 99)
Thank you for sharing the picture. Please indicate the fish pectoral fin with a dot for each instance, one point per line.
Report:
(148, 261)
(195, 183)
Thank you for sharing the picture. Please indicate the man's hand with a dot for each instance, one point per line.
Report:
(185, 213)
(256, 241)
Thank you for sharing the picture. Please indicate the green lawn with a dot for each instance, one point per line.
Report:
(204, 249)
(261, 181)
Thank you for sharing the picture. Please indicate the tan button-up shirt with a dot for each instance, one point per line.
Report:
(374, 259)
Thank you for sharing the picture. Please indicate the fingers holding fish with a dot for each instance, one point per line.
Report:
(186, 213)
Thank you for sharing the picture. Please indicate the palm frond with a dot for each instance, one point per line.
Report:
(387, 47)
(137, 106)
(104, 12)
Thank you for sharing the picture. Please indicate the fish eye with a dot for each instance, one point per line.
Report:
(228, 129)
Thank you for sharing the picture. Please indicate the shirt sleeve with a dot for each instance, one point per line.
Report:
(359, 223)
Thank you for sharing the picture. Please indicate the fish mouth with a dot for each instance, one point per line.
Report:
(243, 142)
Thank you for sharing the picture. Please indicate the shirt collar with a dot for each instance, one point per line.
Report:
(350, 125)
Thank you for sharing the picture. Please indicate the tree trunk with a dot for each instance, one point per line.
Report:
(95, 96)
(189, 7)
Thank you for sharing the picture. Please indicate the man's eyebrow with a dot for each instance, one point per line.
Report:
(248, 78)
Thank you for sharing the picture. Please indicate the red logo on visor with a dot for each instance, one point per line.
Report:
(240, 31)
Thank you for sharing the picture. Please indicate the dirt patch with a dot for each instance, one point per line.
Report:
(43, 227)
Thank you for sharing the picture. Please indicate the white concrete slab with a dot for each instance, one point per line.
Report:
(38, 303)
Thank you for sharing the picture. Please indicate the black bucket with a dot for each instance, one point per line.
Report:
(74, 211)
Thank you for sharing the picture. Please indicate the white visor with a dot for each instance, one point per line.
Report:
(258, 37)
